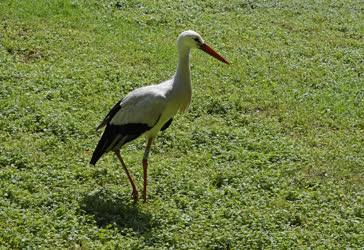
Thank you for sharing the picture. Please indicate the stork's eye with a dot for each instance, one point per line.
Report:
(196, 39)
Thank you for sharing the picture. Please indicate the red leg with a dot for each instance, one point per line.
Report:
(145, 168)
(133, 186)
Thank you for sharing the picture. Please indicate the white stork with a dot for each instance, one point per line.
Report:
(150, 109)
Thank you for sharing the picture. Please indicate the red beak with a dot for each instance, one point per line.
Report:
(213, 53)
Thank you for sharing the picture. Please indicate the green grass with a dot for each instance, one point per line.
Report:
(270, 154)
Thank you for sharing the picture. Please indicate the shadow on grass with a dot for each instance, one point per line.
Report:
(107, 208)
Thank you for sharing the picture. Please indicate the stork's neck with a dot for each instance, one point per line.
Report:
(183, 73)
(182, 79)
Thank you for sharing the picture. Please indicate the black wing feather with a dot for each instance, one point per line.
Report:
(110, 115)
(167, 124)
(116, 136)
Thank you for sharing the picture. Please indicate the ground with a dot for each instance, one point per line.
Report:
(269, 155)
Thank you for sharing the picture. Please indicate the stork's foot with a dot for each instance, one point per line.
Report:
(135, 195)
(144, 197)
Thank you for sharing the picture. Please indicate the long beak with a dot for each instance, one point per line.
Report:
(213, 53)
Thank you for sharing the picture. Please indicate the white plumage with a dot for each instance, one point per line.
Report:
(147, 110)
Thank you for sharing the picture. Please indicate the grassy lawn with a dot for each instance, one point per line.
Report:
(270, 154)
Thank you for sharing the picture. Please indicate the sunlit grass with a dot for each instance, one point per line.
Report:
(270, 154)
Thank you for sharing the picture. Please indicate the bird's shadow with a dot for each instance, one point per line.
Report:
(109, 209)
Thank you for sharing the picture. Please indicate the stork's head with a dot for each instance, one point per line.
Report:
(191, 39)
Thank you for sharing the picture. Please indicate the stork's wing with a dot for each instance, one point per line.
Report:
(128, 119)
(110, 115)
(140, 109)
(143, 105)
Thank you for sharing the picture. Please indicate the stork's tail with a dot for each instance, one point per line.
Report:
(101, 147)
(116, 136)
